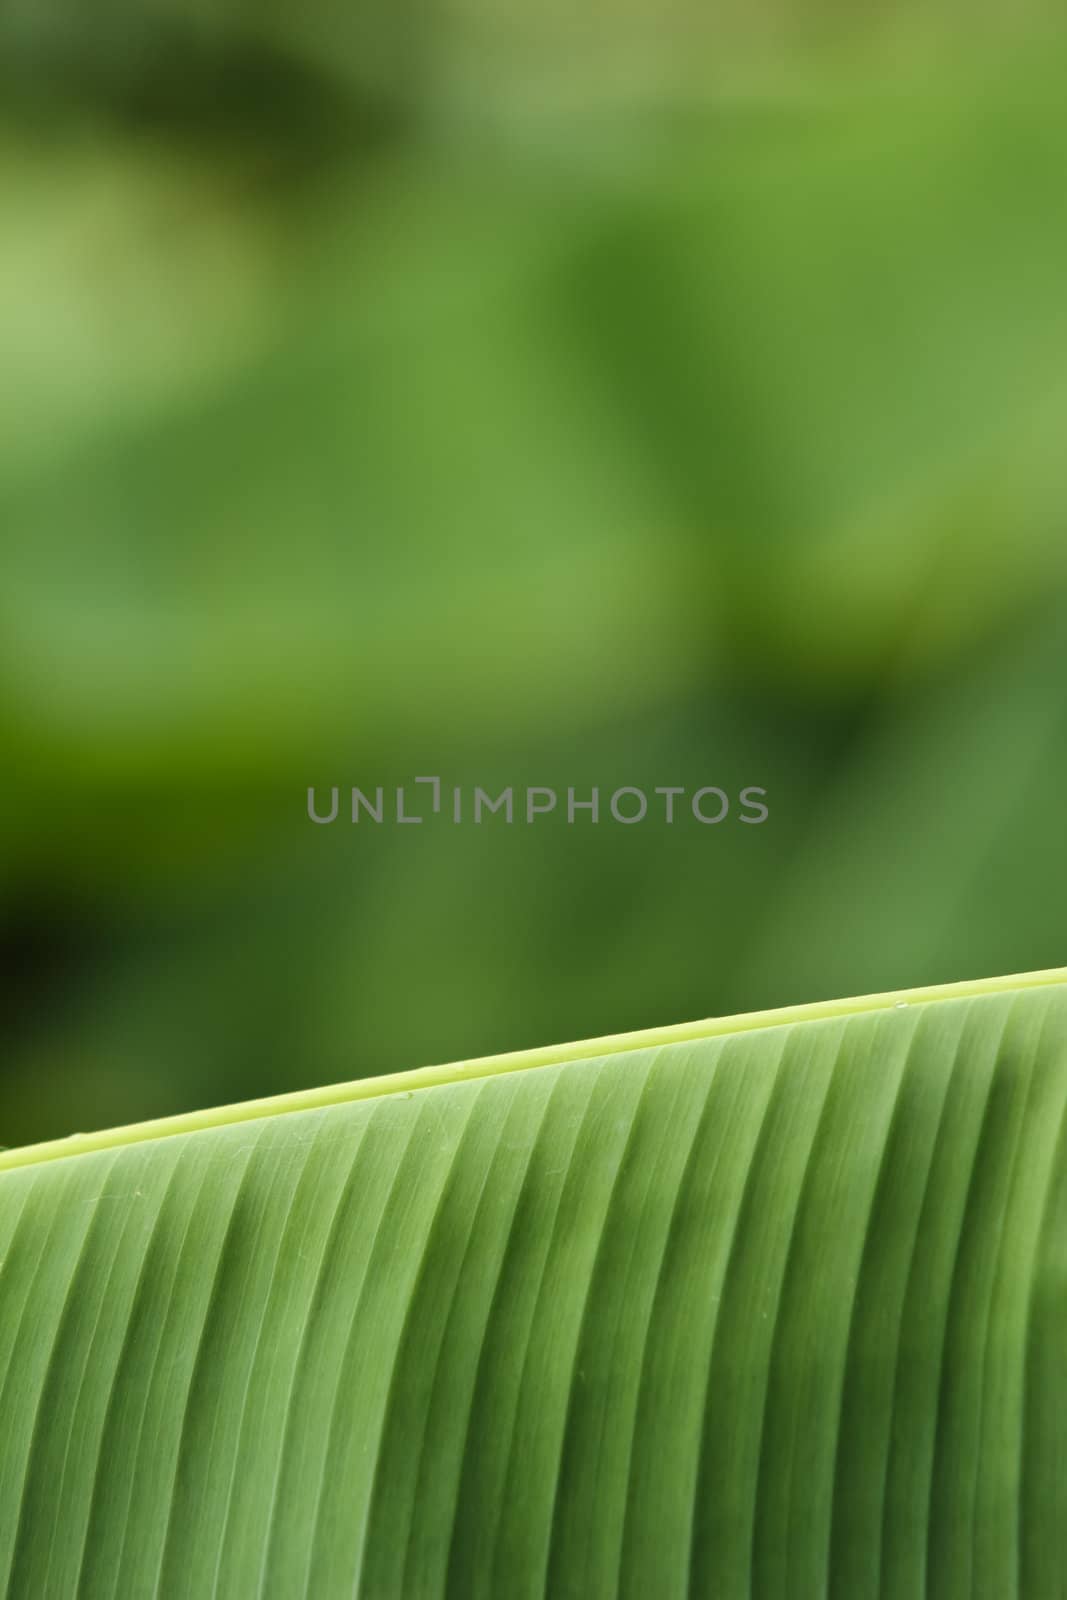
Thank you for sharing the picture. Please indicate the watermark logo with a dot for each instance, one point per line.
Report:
(424, 799)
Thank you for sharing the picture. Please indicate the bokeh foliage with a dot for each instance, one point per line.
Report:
(394, 389)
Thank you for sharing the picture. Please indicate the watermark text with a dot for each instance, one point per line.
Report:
(425, 799)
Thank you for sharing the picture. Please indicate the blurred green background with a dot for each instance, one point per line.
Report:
(645, 395)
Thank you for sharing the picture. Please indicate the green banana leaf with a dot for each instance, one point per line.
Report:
(770, 1306)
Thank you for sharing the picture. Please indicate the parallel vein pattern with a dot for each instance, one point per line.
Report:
(769, 1316)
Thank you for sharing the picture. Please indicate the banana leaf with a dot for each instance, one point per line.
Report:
(767, 1306)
